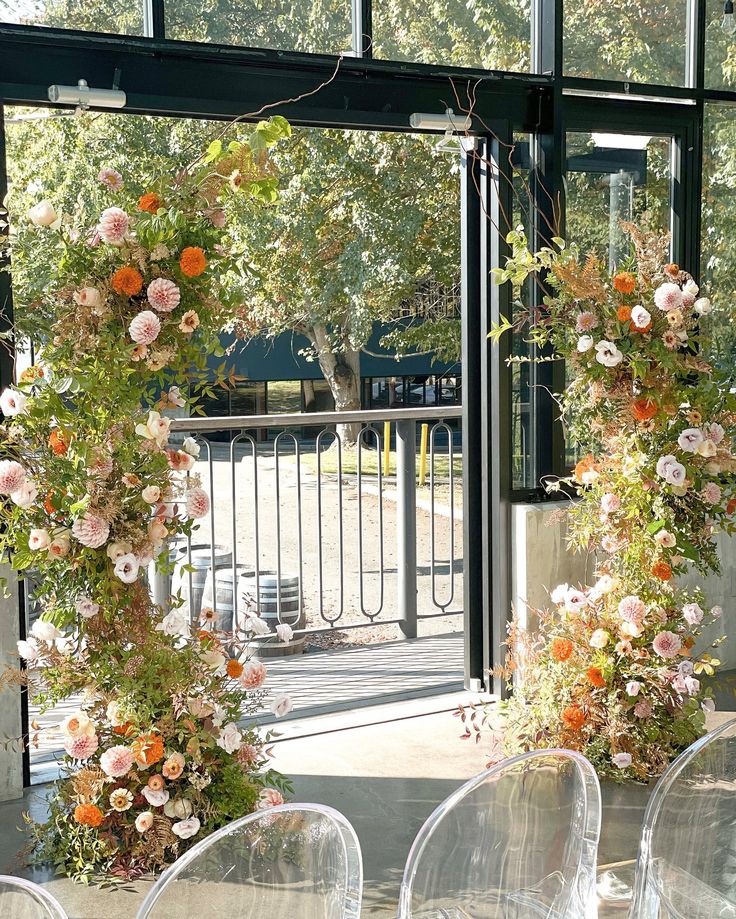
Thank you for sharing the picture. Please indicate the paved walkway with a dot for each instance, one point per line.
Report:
(319, 683)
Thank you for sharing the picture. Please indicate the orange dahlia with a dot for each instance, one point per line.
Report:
(149, 202)
(59, 442)
(595, 677)
(561, 649)
(234, 668)
(623, 313)
(662, 570)
(643, 409)
(731, 506)
(88, 815)
(584, 468)
(574, 717)
(192, 261)
(148, 749)
(636, 328)
(624, 282)
(127, 281)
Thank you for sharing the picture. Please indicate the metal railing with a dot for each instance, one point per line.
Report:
(328, 500)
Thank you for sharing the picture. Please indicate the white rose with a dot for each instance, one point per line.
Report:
(126, 568)
(25, 496)
(691, 288)
(43, 214)
(175, 622)
(13, 402)
(151, 494)
(38, 539)
(87, 608)
(281, 706)
(45, 630)
(156, 797)
(191, 447)
(184, 829)
(180, 808)
(59, 546)
(703, 306)
(156, 428)
(256, 625)
(230, 738)
(88, 296)
(214, 659)
(284, 632)
(599, 638)
(144, 821)
(77, 725)
(157, 532)
(28, 650)
(707, 449)
(585, 343)
(117, 550)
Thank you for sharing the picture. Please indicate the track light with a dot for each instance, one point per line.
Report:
(447, 122)
(84, 96)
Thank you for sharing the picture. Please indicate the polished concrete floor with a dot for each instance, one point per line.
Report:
(386, 777)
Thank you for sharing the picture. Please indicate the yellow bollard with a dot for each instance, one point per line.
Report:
(386, 447)
(423, 455)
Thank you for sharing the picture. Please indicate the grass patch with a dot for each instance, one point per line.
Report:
(370, 460)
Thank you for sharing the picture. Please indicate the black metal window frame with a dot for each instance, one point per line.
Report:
(187, 79)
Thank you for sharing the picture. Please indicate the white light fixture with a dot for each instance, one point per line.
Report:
(728, 23)
(429, 121)
(84, 96)
(621, 141)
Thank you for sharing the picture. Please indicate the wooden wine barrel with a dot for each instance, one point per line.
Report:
(262, 599)
(201, 562)
(224, 582)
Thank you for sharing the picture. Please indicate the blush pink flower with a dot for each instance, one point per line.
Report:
(91, 530)
(12, 477)
(643, 708)
(253, 675)
(667, 645)
(692, 614)
(668, 296)
(13, 402)
(711, 494)
(610, 503)
(586, 321)
(632, 609)
(82, 747)
(110, 177)
(113, 226)
(163, 295)
(198, 503)
(117, 762)
(145, 327)
(99, 463)
(269, 797)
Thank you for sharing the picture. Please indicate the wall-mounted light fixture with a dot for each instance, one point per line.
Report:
(430, 121)
(728, 23)
(84, 96)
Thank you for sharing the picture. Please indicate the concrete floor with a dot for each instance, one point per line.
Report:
(385, 777)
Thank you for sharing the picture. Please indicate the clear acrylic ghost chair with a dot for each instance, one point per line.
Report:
(686, 867)
(23, 899)
(294, 861)
(518, 841)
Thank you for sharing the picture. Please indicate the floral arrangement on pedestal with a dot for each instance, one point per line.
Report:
(613, 669)
(123, 306)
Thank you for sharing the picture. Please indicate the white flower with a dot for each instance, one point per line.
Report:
(77, 725)
(214, 659)
(175, 622)
(13, 402)
(25, 496)
(60, 545)
(86, 607)
(38, 540)
(633, 688)
(707, 448)
(703, 306)
(608, 354)
(708, 705)
(284, 632)
(144, 821)
(151, 494)
(257, 625)
(191, 447)
(230, 738)
(156, 797)
(88, 296)
(670, 470)
(43, 214)
(599, 638)
(114, 713)
(691, 288)
(559, 594)
(621, 760)
(692, 614)
(716, 612)
(281, 706)
(665, 539)
(45, 630)
(175, 397)
(184, 829)
(126, 568)
(640, 317)
(28, 650)
(585, 343)
(690, 440)
(156, 429)
(117, 550)
(180, 808)
(64, 645)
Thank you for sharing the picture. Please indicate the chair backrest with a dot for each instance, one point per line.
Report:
(23, 899)
(518, 841)
(686, 867)
(294, 860)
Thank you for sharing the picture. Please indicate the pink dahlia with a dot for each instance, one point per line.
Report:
(586, 321)
(610, 503)
(198, 503)
(163, 295)
(99, 463)
(81, 747)
(667, 645)
(144, 328)
(113, 226)
(711, 494)
(692, 614)
(91, 530)
(12, 477)
(643, 708)
(668, 297)
(269, 797)
(632, 609)
(110, 177)
(117, 762)
(253, 675)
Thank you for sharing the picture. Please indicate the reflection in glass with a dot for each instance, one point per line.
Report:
(720, 49)
(86, 15)
(636, 40)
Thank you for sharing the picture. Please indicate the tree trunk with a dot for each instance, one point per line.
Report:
(342, 372)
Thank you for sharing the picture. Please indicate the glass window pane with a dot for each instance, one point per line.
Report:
(720, 48)
(718, 255)
(494, 34)
(316, 26)
(626, 40)
(86, 15)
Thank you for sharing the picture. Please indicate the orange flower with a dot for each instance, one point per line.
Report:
(636, 328)
(49, 504)
(156, 782)
(59, 441)
(561, 649)
(573, 717)
(731, 506)
(192, 261)
(122, 729)
(148, 749)
(127, 281)
(672, 268)
(624, 282)
(586, 470)
(662, 570)
(643, 409)
(149, 202)
(88, 815)
(31, 373)
(234, 668)
(595, 677)
(623, 313)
